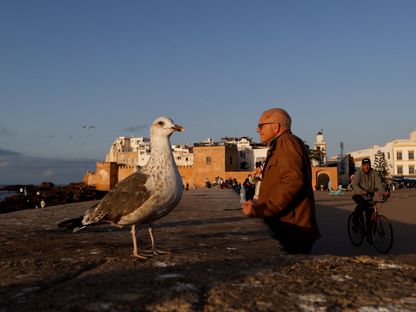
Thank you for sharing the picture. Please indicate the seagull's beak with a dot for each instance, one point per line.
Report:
(178, 128)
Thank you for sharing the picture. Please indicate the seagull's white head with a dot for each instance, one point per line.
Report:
(164, 126)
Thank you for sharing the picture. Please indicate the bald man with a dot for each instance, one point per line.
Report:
(286, 201)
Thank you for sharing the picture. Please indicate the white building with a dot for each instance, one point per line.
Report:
(399, 154)
(259, 153)
(129, 151)
(135, 151)
(183, 155)
(248, 153)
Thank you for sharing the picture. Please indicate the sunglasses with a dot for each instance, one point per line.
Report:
(260, 125)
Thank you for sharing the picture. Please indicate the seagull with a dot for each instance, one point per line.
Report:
(146, 195)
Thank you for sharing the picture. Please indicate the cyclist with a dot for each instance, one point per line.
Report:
(365, 183)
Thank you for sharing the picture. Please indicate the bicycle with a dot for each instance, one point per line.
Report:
(381, 234)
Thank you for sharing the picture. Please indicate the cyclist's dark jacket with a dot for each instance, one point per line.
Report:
(367, 182)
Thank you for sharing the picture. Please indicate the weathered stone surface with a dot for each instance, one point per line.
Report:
(220, 261)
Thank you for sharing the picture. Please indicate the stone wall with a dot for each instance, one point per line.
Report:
(214, 161)
(220, 261)
(105, 177)
(330, 172)
(187, 175)
(125, 171)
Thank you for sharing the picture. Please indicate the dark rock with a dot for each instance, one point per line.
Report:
(52, 195)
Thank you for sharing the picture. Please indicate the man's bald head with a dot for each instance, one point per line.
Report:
(278, 115)
(273, 123)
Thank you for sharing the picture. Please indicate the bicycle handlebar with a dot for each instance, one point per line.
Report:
(381, 201)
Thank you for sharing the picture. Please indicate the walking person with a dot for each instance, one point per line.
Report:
(286, 200)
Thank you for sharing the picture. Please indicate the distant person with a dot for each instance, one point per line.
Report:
(242, 194)
(257, 179)
(286, 200)
(249, 188)
(365, 183)
(42, 204)
(236, 186)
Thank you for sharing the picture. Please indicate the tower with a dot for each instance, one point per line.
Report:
(413, 134)
(320, 146)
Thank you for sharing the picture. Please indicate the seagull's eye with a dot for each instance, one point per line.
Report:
(161, 123)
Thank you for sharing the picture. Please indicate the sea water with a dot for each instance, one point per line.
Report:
(5, 194)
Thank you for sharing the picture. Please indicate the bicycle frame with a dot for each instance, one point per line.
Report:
(373, 205)
(379, 233)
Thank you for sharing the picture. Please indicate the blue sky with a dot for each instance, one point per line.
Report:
(347, 67)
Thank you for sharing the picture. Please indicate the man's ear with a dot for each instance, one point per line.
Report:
(276, 128)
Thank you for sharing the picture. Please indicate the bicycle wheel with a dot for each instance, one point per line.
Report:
(356, 236)
(382, 232)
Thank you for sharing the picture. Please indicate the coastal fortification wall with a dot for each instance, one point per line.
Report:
(209, 163)
(105, 177)
(125, 171)
(327, 174)
(187, 173)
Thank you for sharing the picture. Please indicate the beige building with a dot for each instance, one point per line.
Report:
(135, 151)
(210, 162)
(249, 153)
(204, 161)
(128, 151)
(399, 154)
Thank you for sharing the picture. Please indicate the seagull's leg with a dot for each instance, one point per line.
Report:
(154, 250)
(135, 249)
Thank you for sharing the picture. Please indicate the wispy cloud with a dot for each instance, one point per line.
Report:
(3, 162)
(17, 168)
(135, 129)
(6, 152)
(5, 132)
(44, 137)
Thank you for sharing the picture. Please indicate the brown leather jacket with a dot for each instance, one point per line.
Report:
(286, 193)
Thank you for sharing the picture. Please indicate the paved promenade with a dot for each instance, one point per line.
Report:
(333, 212)
(220, 261)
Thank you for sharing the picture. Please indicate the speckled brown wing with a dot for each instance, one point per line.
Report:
(128, 195)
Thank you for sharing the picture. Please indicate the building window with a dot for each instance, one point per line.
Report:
(399, 156)
(412, 170)
(411, 155)
(208, 160)
(388, 155)
(260, 159)
(399, 169)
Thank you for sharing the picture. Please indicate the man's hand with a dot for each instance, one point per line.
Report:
(248, 208)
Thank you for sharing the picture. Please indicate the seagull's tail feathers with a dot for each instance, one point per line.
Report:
(79, 228)
(76, 224)
(71, 224)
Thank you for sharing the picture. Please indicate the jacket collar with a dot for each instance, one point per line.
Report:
(273, 142)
